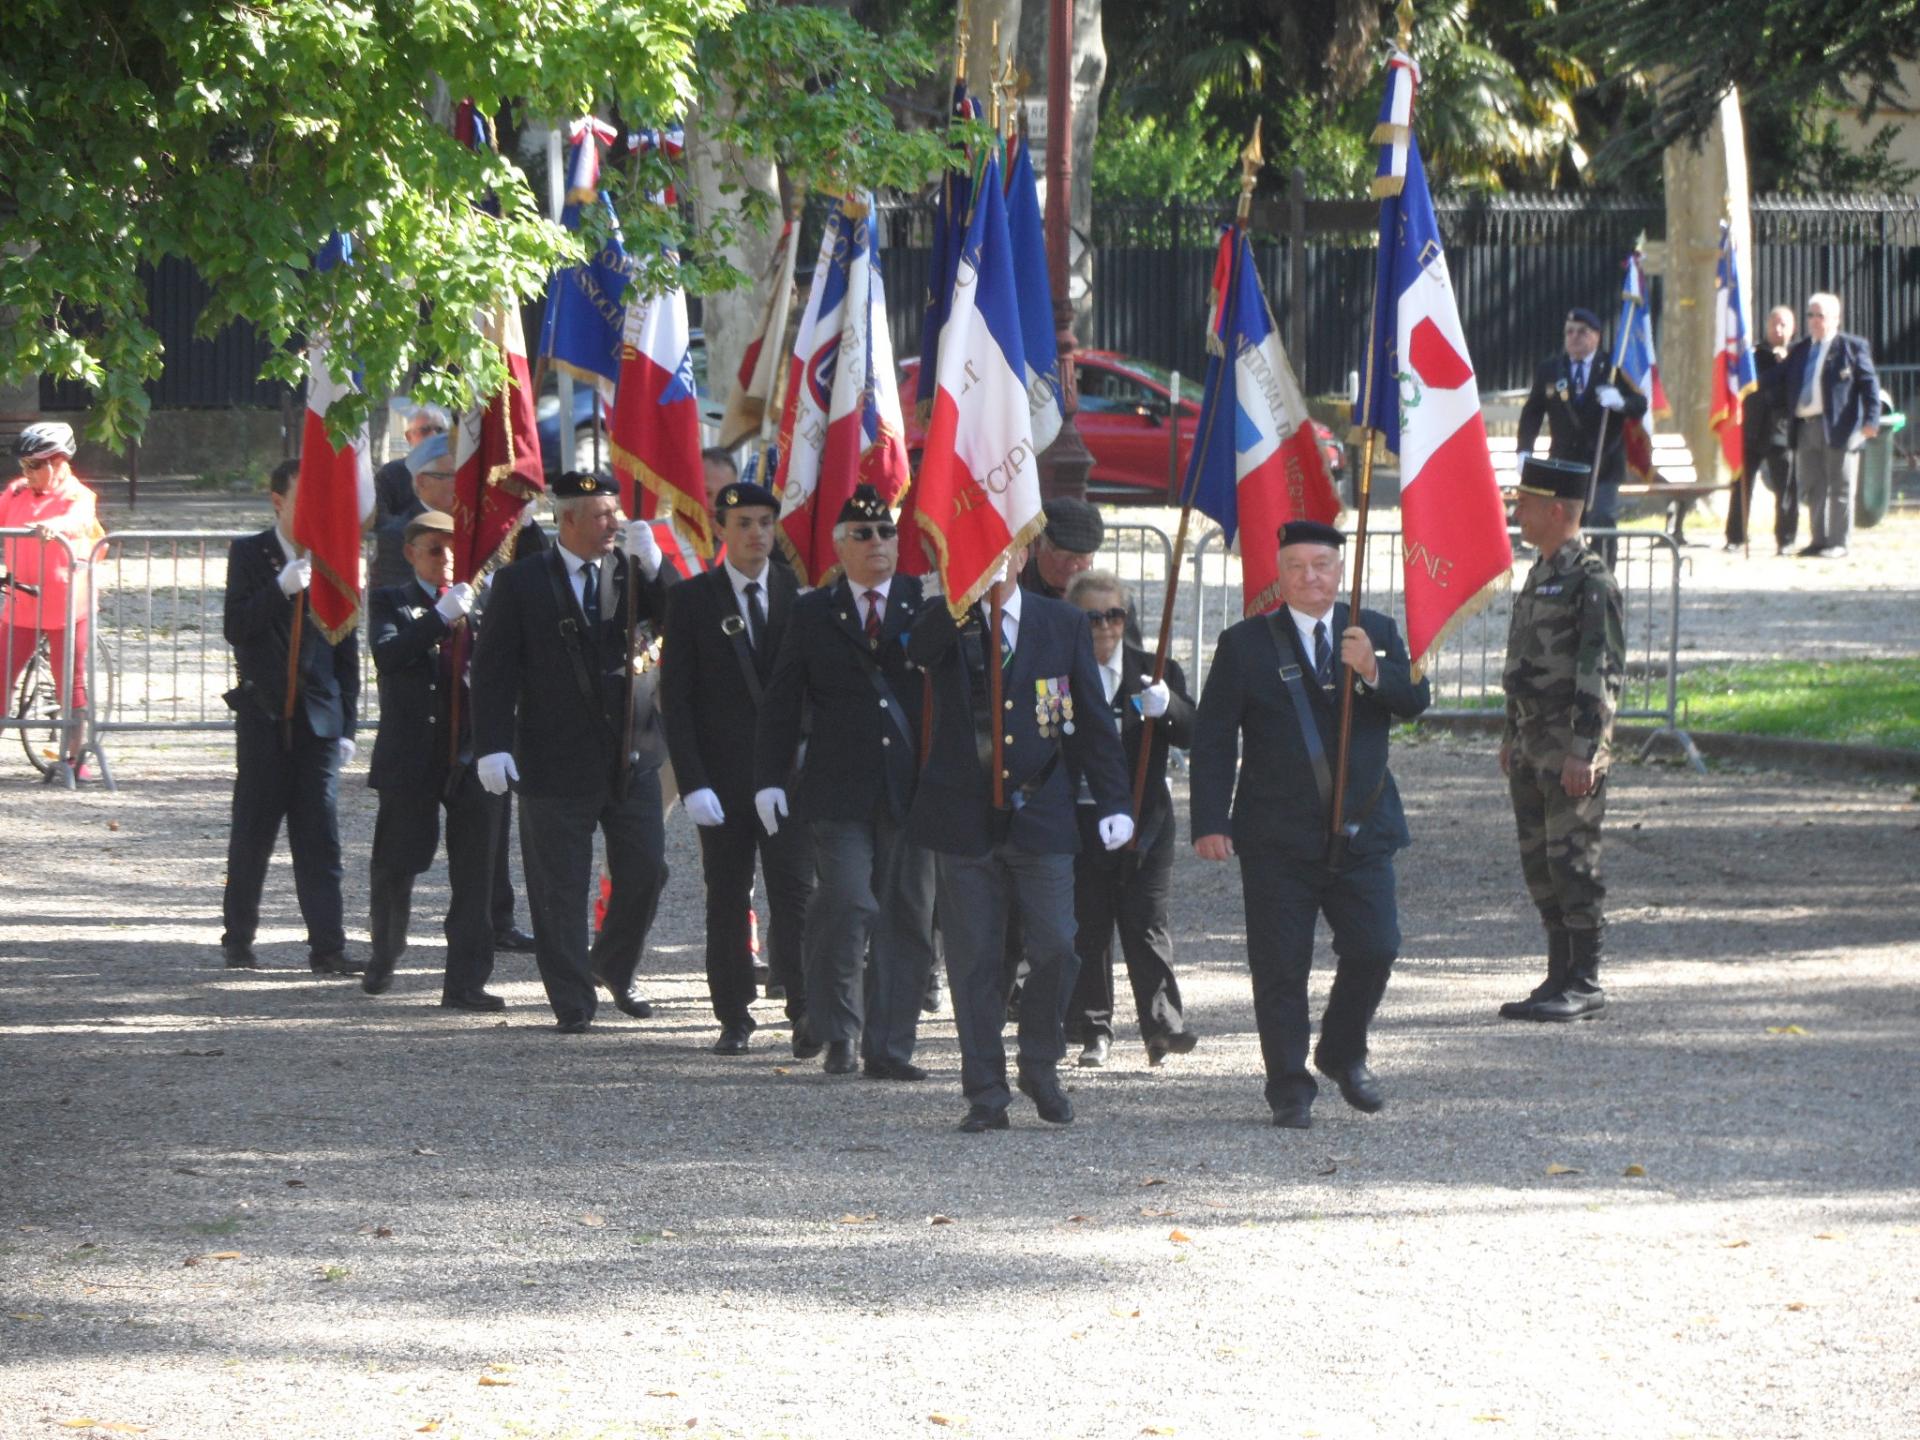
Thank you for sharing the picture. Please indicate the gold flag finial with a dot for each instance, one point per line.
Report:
(962, 36)
(1251, 161)
(1009, 90)
(1405, 14)
(993, 80)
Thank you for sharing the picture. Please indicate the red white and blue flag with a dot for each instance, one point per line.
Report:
(1037, 330)
(1733, 372)
(756, 385)
(334, 498)
(581, 332)
(1255, 464)
(1423, 400)
(1637, 364)
(497, 467)
(979, 490)
(655, 437)
(840, 425)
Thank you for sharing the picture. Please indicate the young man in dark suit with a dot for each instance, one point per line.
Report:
(1128, 889)
(286, 768)
(990, 859)
(1571, 394)
(1272, 705)
(416, 640)
(558, 708)
(1829, 387)
(724, 627)
(869, 940)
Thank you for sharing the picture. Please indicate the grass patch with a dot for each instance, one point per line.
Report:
(1859, 702)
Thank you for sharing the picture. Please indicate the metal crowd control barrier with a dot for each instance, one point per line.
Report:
(1466, 674)
(41, 724)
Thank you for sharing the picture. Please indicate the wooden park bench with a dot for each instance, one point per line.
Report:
(1674, 477)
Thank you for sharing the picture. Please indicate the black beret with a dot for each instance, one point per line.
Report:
(579, 484)
(1583, 316)
(1554, 479)
(1310, 532)
(744, 495)
(864, 505)
(428, 522)
(1074, 525)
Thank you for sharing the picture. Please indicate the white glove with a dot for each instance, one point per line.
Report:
(1116, 830)
(295, 576)
(456, 603)
(1520, 459)
(495, 771)
(1154, 698)
(643, 547)
(1610, 396)
(932, 587)
(347, 751)
(772, 805)
(704, 806)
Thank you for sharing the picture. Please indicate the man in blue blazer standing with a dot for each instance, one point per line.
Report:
(1271, 706)
(1055, 730)
(1829, 387)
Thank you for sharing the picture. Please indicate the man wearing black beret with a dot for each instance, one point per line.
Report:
(1571, 392)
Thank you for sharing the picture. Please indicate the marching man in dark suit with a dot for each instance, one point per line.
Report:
(723, 630)
(1571, 392)
(558, 708)
(286, 769)
(1128, 889)
(1017, 856)
(413, 629)
(845, 660)
(1829, 387)
(1271, 704)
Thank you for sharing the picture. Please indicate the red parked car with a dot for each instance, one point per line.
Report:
(1124, 419)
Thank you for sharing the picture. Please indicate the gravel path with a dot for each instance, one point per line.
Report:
(270, 1205)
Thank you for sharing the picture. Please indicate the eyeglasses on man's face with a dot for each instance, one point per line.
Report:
(871, 532)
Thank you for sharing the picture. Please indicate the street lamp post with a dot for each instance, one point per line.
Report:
(1065, 463)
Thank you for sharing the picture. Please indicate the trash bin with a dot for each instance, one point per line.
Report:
(1874, 493)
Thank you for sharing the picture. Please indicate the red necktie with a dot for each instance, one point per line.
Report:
(873, 614)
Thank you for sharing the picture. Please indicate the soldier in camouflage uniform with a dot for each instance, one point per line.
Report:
(1566, 652)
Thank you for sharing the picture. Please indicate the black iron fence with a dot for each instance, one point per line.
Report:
(1517, 264)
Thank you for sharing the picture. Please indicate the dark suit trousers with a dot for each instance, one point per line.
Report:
(1284, 900)
(1777, 467)
(869, 935)
(786, 860)
(500, 901)
(556, 852)
(406, 833)
(302, 788)
(976, 894)
(1129, 890)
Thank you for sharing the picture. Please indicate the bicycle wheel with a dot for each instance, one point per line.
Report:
(39, 706)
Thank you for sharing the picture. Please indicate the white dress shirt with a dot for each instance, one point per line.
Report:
(1305, 623)
(575, 577)
(881, 587)
(740, 583)
(1816, 367)
(1110, 673)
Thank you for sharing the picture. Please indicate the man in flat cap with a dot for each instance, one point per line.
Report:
(1571, 392)
(421, 661)
(869, 944)
(554, 709)
(1271, 708)
(1566, 654)
(1065, 548)
(723, 630)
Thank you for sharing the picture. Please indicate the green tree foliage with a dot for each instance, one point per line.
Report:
(238, 136)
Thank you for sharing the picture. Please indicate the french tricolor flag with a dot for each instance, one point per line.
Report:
(979, 490)
(655, 437)
(1255, 462)
(841, 424)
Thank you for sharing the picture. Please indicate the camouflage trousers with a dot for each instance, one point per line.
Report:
(1559, 845)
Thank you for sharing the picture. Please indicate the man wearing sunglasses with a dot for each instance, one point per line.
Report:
(869, 942)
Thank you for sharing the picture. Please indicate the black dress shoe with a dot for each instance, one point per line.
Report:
(624, 1002)
(1042, 1086)
(1811, 552)
(241, 957)
(1180, 1042)
(1293, 1114)
(733, 1040)
(805, 1046)
(1573, 1003)
(1093, 1055)
(1358, 1087)
(482, 1000)
(379, 977)
(840, 1059)
(513, 939)
(335, 964)
(982, 1118)
(573, 1027)
(893, 1070)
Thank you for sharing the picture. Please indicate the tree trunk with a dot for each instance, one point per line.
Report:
(728, 319)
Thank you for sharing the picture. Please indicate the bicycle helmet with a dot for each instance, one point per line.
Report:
(50, 437)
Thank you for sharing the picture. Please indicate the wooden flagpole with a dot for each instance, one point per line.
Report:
(1613, 379)
(294, 640)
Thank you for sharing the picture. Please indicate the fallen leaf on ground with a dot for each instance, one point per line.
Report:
(1156, 1429)
(494, 1380)
(664, 1394)
(666, 1234)
(1125, 1314)
(939, 1419)
(1152, 1214)
(1180, 1237)
(1796, 1305)
(1556, 1168)
(1151, 1180)
(382, 1232)
(296, 1184)
(939, 1220)
(1826, 1235)
(782, 1070)
(27, 1315)
(83, 1423)
(858, 1219)
(1736, 1244)
(187, 1170)
(226, 1255)
(1328, 1169)
(424, 1150)
(191, 1260)
(113, 824)
(1635, 1172)
(593, 1221)
(1076, 1219)
(428, 1428)
(1785, 1030)
(1216, 1204)
(1489, 1419)
(203, 1055)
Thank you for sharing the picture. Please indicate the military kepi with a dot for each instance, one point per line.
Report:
(744, 495)
(579, 484)
(864, 506)
(1310, 532)
(1553, 479)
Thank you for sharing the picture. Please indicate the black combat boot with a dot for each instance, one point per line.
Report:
(1582, 996)
(1558, 955)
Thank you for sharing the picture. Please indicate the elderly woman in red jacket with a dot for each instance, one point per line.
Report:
(49, 500)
